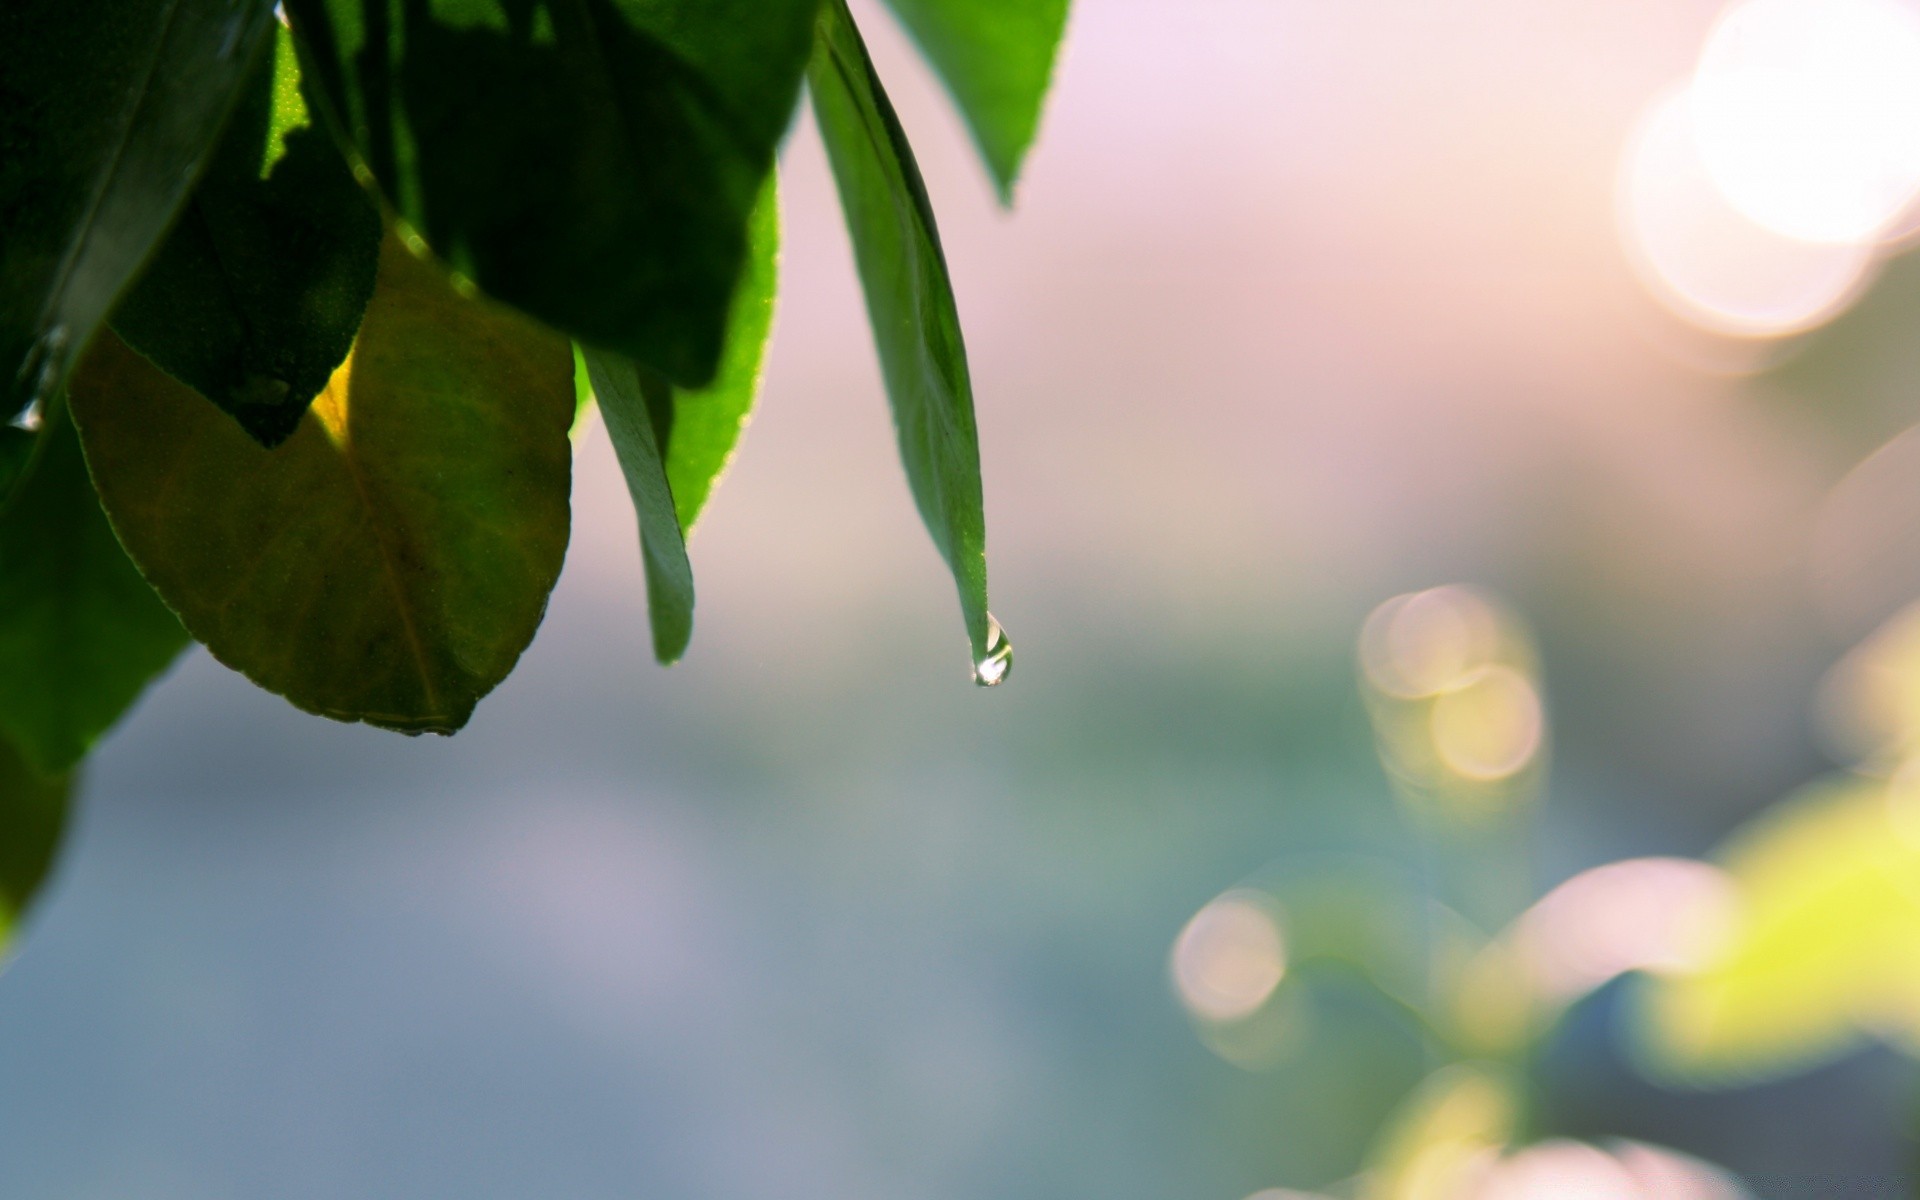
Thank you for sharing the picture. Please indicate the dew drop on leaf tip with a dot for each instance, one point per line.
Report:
(996, 664)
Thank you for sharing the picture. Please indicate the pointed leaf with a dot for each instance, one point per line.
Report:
(81, 634)
(997, 59)
(703, 425)
(910, 300)
(629, 397)
(390, 561)
(592, 162)
(108, 110)
(33, 815)
(254, 297)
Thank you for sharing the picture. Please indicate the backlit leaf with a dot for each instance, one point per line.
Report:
(997, 59)
(81, 634)
(592, 162)
(910, 301)
(703, 425)
(1826, 948)
(254, 297)
(108, 110)
(390, 561)
(673, 458)
(33, 814)
(630, 395)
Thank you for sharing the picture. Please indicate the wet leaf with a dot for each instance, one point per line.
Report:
(910, 301)
(108, 111)
(33, 815)
(997, 59)
(81, 634)
(254, 297)
(592, 162)
(389, 562)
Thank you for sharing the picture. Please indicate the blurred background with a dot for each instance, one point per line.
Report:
(1303, 306)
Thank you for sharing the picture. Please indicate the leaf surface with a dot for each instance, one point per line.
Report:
(33, 815)
(390, 561)
(996, 57)
(81, 634)
(108, 111)
(629, 396)
(916, 325)
(592, 162)
(254, 297)
(701, 426)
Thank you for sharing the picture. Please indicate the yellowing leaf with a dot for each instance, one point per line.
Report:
(390, 561)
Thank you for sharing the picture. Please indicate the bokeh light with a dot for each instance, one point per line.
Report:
(1638, 914)
(1869, 703)
(1490, 726)
(1806, 114)
(1230, 957)
(1567, 1170)
(1427, 642)
(1705, 260)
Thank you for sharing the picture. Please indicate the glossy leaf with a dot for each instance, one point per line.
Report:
(389, 562)
(1826, 950)
(910, 301)
(997, 59)
(699, 429)
(254, 297)
(81, 634)
(33, 815)
(629, 396)
(108, 111)
(592, 162)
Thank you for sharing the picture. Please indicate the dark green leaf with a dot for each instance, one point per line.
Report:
(108, 110)
(910, 300)
(81, 634)
(629, 396)
(592, 162)
(997, 58)
(254, 297)
(33, 814)
(390, 561)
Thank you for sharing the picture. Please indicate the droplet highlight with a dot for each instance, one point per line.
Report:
(993, 667)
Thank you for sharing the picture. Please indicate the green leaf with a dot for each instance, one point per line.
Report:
(910, 301)
(629, 396)
(674, 443)
(81, 634)
(108, 110)
(700, 428)
(592, 162)
(997, 59)
(33, 815)
(1826, 948)
(254, 297)
(390, 561)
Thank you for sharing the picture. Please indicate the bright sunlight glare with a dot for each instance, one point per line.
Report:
(1705, 260)
(1807, 114)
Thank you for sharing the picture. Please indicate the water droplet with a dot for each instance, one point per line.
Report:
(44, 366)
(997, 663)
